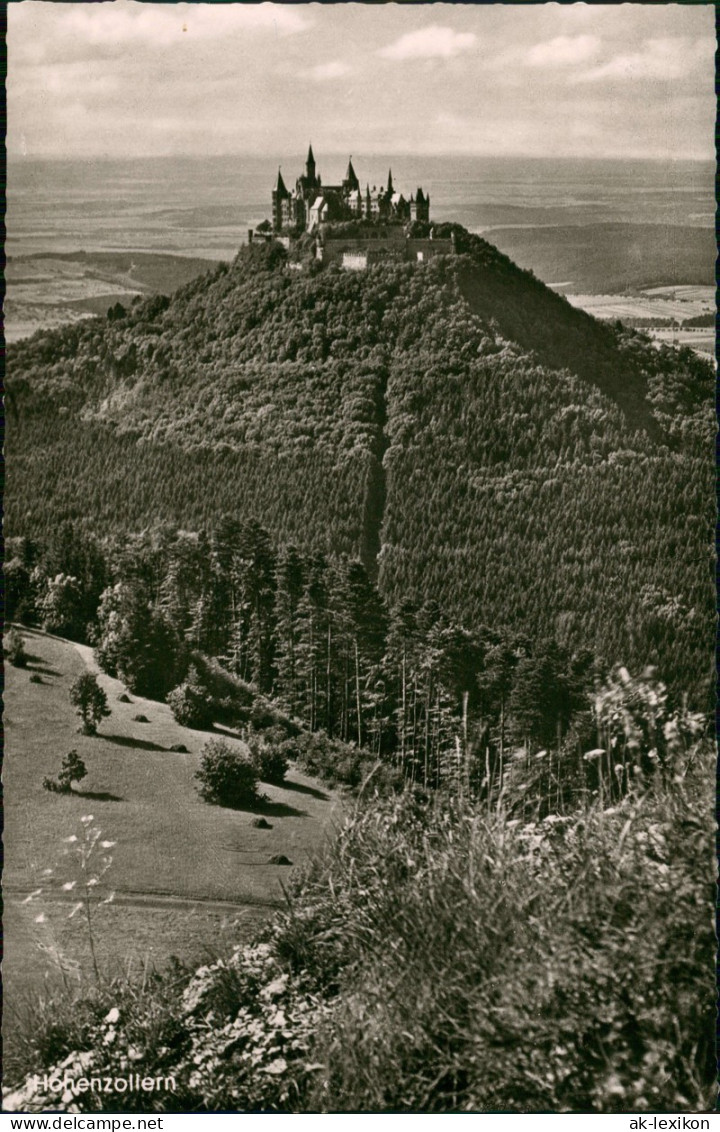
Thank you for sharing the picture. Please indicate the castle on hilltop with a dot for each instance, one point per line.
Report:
(311, 204)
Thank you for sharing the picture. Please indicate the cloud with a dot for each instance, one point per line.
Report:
(323, 72)
(44, 32)
(430, 42)
(563, 51)
(660, 58)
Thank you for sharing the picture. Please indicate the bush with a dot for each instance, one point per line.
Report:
(269, 759)
(90, 700)
(227, 775)
(190, 702)
(73, 769)
(264, 715)
(14, 649)
(341, 763)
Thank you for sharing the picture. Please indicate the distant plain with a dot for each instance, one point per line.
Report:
(591, 228)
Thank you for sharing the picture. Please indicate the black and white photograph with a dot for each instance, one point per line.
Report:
(359, 560)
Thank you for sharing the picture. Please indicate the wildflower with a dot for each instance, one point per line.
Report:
(68, 885)
(108, 899)
(276, 1067)
(275, 988)
(107, 844)
(112, 1016)
(87, 819)
(91, 882)
(40, 919)
(70, 839)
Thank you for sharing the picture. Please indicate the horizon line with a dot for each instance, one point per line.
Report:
(384, 154)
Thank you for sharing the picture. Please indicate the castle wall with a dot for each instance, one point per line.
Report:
(354, 261)
(423, 250)
(357, 253)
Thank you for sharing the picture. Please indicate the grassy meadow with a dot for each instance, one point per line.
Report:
(438, 956)
(188, 878)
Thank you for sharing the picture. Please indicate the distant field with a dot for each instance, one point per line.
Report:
(46, 291)
(187, 876)
(678, 303)
(604, 258)
(700, 340)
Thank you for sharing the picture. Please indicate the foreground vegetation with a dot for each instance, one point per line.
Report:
(443, 955)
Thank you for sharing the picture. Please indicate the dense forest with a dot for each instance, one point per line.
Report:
(309, 644)
(458, 428)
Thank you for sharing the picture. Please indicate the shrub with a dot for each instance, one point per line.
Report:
(190, 702)
(264, 715)
(14, 649)
(73, 769)
(338, 762)
(269, 759)
(227, 775)
(90, 700)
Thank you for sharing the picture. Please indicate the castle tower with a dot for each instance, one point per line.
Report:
(390, 189)
(280, 196)
(310, 166)
(422, 207)
(350, 183)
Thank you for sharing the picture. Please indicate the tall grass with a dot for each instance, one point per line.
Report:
(445, 956)
(484, 963)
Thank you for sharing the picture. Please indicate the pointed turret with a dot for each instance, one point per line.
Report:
(390, 184)
(310, 165)
(280, 188)
(280, 206)
(422, 206)
(351, 182)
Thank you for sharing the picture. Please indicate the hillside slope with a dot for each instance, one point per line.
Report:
(185, 875)
(462, 429)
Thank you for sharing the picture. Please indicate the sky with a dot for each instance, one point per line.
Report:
(126, 78)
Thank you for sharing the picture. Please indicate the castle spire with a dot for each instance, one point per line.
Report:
(310, 164)
(390, 184)
(280, 186)
(351, 177)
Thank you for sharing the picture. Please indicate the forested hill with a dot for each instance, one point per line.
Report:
(458, 426)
